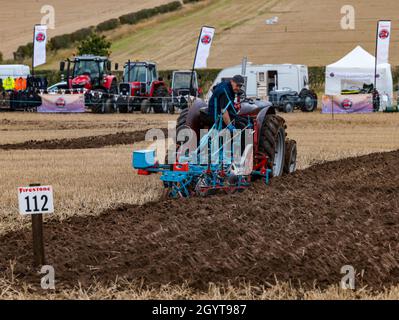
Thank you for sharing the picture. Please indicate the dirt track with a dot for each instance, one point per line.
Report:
(303, 227)
(98, 141)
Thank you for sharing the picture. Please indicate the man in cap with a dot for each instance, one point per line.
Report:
(223, 97)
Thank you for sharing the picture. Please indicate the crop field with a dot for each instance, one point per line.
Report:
(69, 16)
(119, 233)
(112, 236)
(305, 34)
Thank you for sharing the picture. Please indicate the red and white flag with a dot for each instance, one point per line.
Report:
(204, 47)
(383, 40)
(39, 45)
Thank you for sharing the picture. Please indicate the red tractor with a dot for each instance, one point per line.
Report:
(202, 167)
(142, 89)
(272, 149)
(92, 76)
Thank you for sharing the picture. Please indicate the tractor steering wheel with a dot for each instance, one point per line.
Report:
(242, 94)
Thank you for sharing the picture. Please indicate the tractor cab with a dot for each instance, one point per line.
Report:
(181, 83)
(140, 76)
(181, 88)
(87, 72)
(142, 89)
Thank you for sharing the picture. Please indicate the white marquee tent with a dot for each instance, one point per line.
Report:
(356, 68)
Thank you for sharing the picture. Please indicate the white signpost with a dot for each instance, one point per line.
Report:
(35, 201)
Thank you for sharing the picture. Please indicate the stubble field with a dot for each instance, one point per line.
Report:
(106, 241)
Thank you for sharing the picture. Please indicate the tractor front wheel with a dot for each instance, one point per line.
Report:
(272, 143)
(98, 106)
(109, 99)
(160, 101)
(97, 103)
(123, 107)
(145, 106)
(308, 100)
(109, 106)
(288, 106)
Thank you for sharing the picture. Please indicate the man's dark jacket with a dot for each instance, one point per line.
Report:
(220, 100)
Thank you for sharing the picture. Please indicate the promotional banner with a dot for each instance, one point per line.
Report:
(68, 103)
(351, 103)
(39, 45)
(204, 47)
(383, 40)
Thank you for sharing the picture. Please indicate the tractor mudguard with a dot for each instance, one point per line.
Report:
(108, 79)
(262, 114)
(193, 117)
(100, 88)
(252, 107)
(155, 84)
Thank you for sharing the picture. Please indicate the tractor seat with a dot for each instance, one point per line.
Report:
(204, 110)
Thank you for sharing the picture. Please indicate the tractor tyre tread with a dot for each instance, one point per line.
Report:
(145, 106)
(161, 91)
(180, 124)
(268, 136)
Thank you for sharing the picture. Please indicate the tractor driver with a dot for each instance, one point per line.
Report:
(224, 94)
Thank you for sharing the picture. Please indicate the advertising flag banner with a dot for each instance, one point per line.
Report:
(204, 47)
(353, 103)
(68, 103)
(39, 45)
(383, 40)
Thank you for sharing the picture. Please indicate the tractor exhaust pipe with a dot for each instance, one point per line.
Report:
(128, 71)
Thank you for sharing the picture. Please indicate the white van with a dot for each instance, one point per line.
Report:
(261, 79)
(14, 71)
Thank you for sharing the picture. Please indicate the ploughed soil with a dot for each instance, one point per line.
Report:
(98, 141)
(302, 228)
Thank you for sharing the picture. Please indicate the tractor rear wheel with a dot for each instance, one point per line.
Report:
(272, 143)
(180, 125)
(181, 120)
(160, 103)
(308, 100)
(290, 156)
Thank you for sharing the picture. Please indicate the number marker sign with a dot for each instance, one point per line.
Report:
(35, 200)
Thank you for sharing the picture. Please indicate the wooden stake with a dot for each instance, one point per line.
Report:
(39, 258)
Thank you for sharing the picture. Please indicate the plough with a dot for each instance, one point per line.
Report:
(194, 174)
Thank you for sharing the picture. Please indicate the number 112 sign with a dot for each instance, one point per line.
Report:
(35, 200)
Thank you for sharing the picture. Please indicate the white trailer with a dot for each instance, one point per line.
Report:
(261, 79)
(14, 71)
